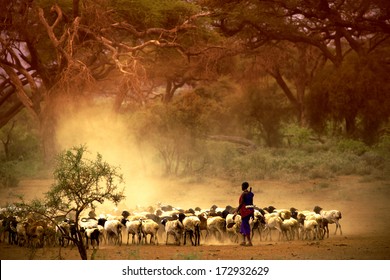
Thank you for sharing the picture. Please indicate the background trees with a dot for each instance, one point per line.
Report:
(318, 64)
(334, 28)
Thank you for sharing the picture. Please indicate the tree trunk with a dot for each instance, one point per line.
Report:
(82, 249)
(301, 82)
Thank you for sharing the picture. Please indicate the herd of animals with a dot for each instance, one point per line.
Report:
(169, 225)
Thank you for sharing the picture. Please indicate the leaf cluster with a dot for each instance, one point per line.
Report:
(80, 182)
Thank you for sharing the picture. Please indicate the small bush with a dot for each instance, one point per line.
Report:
(383, 146)
(351, 146)
(297, 136)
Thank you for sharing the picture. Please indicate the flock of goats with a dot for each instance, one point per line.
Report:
(166, 222)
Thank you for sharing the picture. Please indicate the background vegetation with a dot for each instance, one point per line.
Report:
(238, 89)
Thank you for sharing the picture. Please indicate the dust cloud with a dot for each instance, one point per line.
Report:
(110, 134)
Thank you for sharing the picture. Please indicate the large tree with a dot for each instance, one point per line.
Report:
(54, 54)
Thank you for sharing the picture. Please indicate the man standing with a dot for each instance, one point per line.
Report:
(246, 210)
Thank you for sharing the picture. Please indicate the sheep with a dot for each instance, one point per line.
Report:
(112, 229)
(192, 227)
(331, 216)
(35, 235)
(50, 234)
(149, 226)
(322, 223)
(283, 213)
(272, 222)
(257, 223)
(308, 225)
(91, 234)
(64, 231)
(269, 209)
(21, 231)
(2, 226)
(9, 225)
(290, 228)
(223, 212)
(216, 225)
(134, 228)
(85, 223)
(233, 224)
(173, 227)
(203, 222)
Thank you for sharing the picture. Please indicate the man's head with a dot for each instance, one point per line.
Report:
(245, 186)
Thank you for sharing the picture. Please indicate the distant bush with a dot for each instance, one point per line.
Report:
(297, 136)
(351, 146)
(383, 146)
(347, 157)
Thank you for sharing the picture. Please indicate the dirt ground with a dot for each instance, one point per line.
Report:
(365, 206)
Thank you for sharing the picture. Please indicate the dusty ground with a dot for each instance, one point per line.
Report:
(365, 206)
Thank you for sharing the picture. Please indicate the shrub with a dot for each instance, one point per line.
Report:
(351, 146)
(297, 136)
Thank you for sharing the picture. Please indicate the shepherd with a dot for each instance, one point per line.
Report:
(246, 210)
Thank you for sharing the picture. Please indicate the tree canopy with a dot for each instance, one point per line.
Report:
(140, 52)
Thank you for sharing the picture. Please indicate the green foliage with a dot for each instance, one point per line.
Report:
(383, 146)
(145, 14)
(295, 164)
(297, 135)
(20, 152)
(20, 139)
(80, 181)
(351, 146)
